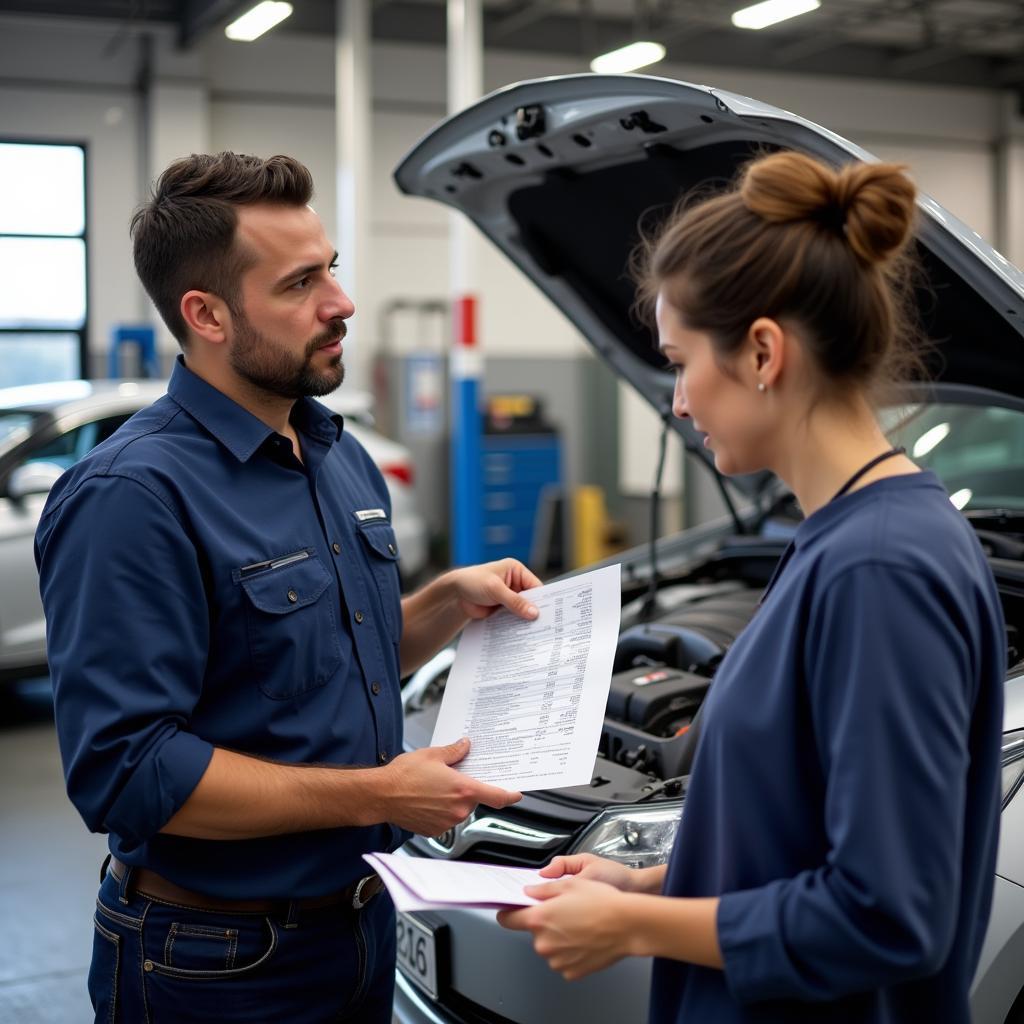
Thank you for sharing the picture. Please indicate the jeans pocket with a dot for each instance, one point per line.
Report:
(208, 952)
(104, 972)
(199, 947)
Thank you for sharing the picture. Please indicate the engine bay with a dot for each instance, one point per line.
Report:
(664, 666)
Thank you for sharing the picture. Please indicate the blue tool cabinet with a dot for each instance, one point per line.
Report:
(516, 468)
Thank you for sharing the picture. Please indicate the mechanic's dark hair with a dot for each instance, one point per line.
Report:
(184, 237)
(800, 242)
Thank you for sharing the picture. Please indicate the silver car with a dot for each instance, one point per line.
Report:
(46, 428)
(558, 173)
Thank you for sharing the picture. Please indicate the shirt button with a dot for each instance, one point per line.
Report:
(392, 549)
(292, 596)
(383, 757)
(336, 548)
(358, 616)
(375, 688)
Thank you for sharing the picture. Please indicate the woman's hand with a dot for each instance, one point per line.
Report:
(596, 869)
(579, 927)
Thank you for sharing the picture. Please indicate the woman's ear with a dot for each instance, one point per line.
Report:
(205, 315)
(766, 344)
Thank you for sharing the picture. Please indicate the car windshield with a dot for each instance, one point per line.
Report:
(15, 426)
(977, 451)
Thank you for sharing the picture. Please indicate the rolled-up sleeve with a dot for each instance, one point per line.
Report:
(889, 678)
(127, 631)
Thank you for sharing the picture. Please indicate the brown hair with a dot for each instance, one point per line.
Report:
(184, 237)
(798, 241)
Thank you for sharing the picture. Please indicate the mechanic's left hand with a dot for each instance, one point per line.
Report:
(578, 928)
(483, 589)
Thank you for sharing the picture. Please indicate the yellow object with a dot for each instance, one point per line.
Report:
(589, 525)
(511, 406)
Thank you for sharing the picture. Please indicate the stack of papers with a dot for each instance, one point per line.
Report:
(417, 883)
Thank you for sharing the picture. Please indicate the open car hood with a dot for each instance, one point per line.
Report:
(559, 173)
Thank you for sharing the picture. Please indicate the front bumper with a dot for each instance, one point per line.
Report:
(494, 977)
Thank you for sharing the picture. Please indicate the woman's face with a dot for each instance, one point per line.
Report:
(723, 406)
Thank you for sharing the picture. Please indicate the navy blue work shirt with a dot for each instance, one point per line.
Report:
(844, 801)
(202, 588)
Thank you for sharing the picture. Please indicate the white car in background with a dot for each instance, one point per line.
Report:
(46, 428)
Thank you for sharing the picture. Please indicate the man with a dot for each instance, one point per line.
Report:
(226, 636)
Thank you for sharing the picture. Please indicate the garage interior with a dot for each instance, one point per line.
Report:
(935, 84)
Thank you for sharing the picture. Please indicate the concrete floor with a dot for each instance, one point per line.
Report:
(49, 871)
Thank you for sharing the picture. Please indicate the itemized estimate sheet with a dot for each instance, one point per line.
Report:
(531, 695)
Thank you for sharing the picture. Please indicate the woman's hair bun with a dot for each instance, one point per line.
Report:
(872, 205)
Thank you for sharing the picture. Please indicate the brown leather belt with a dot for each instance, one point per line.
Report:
(149, 883)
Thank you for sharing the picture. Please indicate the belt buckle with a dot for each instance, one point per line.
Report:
(357, 897)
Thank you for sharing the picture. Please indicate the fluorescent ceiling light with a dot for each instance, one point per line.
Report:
(771, 12)
(260, 19)
(628, 58)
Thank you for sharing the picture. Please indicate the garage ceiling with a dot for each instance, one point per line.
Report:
(963, 42)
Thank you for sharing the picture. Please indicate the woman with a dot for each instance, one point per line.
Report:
(836, 856)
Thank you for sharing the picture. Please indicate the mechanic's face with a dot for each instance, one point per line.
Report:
(721, 406)
(287, 339)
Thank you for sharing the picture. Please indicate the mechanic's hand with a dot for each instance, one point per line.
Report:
(423, 794)
(578, 928)
(597, 869)
(483, 589)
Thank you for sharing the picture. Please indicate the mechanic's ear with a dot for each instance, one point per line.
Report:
(206, 316)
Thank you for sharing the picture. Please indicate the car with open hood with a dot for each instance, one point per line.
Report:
(561, 174)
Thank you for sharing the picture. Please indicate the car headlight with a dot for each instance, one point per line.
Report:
(642, 836)
(1013, 764)
(639, 836)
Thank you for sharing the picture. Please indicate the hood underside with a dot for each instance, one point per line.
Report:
(561, 174)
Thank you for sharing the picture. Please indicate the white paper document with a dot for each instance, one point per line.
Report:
(417, 883)
(531, 695)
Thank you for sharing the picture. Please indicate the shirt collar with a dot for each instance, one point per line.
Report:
(838, 508)
(825, 518)
(236, 428)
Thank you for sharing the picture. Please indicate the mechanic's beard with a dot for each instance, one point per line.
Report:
(271, 368)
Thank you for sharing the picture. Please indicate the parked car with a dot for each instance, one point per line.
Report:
(558, 173)
(46, 428)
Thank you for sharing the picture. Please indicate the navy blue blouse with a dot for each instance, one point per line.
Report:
(203, 588)
(844, 801)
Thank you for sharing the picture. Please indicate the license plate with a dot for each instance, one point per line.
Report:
(417, 953)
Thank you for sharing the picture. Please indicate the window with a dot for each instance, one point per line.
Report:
(976, 450)
(66, 449)
(43, 301)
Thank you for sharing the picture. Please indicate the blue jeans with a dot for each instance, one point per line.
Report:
(160, 963)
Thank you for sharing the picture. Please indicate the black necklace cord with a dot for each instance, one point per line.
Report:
(867, 467)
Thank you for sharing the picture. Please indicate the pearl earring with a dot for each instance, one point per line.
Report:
(761, 386)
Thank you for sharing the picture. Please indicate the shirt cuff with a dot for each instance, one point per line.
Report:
(755, 960)
(158, 788)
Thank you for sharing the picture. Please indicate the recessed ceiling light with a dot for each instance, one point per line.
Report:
(628, 58)
(258, 20)
(771, 12)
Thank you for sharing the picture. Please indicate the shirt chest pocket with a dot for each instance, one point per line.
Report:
(291, 623)
(381, 550)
